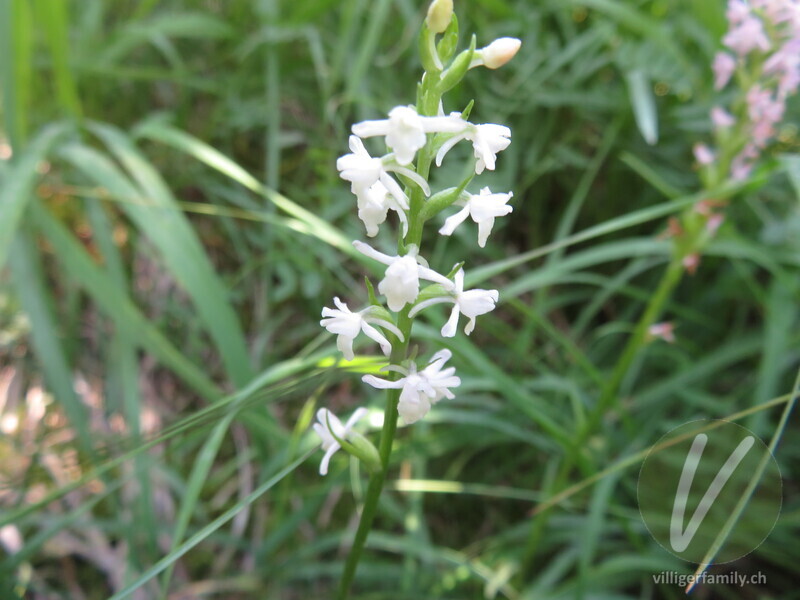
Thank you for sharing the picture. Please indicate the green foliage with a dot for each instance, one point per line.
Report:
(171, 224)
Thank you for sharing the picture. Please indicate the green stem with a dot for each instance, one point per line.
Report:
(609, 395)
(669, 281)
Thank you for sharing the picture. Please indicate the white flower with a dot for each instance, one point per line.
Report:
(441, 380)
(373, 204)
(405, 130)
(471, 304)
(364, 171)
(496, 54)
(400, 284)
(329, 426)
(487, 140)
(419, 389)
(347, 325)
(483, 208)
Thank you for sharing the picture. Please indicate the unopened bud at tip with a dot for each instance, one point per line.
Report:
(440, 13)
(499, 52)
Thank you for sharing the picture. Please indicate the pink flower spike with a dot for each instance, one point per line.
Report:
(703, 154)
(737, 12)
(664, 331)
(741, 167)
(706, 207)
(691, 262)
(715, 221)
(723, 67)
(785, 64)
(749, 35)
(721, 118)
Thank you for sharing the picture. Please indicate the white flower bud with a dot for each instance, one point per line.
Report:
(440, 13)
(499, 52)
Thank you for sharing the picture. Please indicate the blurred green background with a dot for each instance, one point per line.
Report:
(172, 223)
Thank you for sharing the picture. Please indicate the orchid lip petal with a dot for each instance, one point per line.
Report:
(454, 221)
(449, 329)
(323, 465)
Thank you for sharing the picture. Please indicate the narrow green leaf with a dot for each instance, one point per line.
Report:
(157, 215)
(791, 164)
(592, 531)
(53, 14)
(34, 296)
(184, 142)
(123, 381)
(206, 531)
(643, 104)
(202, 466)
(19, 182)
(82, 270)
(631, 219)
(16, 47)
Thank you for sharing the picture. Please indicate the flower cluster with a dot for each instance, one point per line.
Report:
(761, 62)
(762, 55)
(416, 137)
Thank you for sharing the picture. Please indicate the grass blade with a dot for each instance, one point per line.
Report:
(184, 142)
(53, 15)
(34, 296)
(18, 184)
(162, 221)
(644, 105)
(115, 303)
(206, 531)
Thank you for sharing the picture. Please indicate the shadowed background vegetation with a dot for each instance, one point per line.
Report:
(172, 223)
